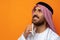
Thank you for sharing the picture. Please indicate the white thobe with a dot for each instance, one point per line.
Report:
(48, 34)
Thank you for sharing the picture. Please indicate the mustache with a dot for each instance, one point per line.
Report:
(35, 16)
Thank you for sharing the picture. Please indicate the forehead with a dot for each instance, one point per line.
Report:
(37, 7)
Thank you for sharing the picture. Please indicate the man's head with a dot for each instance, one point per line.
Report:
(38, 15)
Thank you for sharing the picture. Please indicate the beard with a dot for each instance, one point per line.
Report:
(39, 23)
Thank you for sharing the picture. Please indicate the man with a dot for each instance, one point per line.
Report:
(42, 27)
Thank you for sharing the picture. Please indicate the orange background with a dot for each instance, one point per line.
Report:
(15, 15)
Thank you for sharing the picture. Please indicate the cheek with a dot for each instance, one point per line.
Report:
(41, 17)
(32, 13)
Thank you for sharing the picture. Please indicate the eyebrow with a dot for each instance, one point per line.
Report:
(38, 9)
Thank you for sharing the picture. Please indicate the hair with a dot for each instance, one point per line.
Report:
(46, 5)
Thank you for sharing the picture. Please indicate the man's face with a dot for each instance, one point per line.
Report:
(37, 16)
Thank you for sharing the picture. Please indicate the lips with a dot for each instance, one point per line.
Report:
(35, 18)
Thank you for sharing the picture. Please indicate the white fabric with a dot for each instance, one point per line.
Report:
(48, 34)
(58, 38)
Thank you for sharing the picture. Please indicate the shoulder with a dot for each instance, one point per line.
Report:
(21, 37)
(53, 35)
(58, 38)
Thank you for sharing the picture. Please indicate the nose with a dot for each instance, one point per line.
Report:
(35, 13)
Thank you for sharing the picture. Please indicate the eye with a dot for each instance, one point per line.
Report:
(39, 10)
(34, 9)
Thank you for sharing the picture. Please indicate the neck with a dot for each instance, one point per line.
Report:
(41, 28)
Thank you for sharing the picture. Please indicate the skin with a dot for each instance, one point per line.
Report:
(39, 19)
